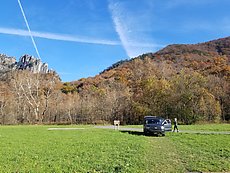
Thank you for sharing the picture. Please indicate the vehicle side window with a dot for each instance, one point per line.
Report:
(168, 121)
(153, 121)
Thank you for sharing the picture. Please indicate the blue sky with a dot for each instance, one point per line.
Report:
(80, 38)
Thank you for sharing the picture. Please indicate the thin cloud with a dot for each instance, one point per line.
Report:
(125, 24)
(61, 37)
(71, 38)
(120, 29)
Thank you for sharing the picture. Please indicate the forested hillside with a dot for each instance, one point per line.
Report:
(190, 82)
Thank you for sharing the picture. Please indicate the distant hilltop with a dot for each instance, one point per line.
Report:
(26, 62)
(208, 58)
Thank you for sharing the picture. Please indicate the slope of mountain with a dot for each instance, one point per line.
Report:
(209, 58)
(215, 47)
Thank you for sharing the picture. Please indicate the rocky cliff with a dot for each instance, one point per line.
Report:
(26, 62)
(35, 65)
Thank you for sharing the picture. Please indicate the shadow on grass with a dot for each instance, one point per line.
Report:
(133, 132)
(138, 133)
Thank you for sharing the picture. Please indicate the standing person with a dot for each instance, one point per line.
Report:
(175, 125)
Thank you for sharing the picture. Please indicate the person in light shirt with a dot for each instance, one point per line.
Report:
(175, 125)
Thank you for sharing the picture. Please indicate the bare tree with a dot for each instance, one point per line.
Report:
(3, 102)
(27, 86)
(50, 84)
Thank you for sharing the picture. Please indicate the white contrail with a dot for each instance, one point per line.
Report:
(28, 27)
(119, 28)
(61, 37)
(133, 40)
(72, 38)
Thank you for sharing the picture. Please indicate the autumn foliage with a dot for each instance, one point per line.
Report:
(190, 82)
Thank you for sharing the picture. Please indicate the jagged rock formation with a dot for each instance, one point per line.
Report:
(26, 62)
(35, 65)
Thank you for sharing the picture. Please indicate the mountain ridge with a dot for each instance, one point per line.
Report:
(211, 57)
(213, 48)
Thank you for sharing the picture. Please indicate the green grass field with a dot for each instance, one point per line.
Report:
(35, 149)
(200, 127)
(206, 127)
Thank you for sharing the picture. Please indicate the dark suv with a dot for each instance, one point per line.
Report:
(156, 125)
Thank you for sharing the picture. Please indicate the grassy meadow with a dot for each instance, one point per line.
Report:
(36, 149)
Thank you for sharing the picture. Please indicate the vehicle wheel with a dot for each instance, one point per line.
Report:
(163, 134)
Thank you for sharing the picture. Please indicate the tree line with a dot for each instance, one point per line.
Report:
(143, 88)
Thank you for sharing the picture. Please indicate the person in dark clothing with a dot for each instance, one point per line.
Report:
(175, 125)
